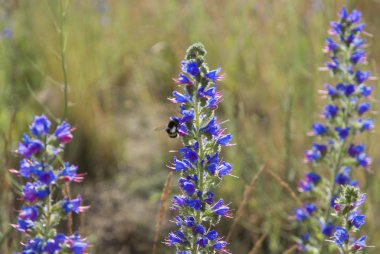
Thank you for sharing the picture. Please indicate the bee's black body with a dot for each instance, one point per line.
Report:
(172, 128)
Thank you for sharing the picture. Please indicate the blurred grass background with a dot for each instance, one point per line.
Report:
(121, 56)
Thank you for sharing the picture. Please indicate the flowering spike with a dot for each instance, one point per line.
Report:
(42, 211)
(335, 211)
(199, 166)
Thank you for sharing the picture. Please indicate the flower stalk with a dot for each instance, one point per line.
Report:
(201, 169)
(45, 174)
(343, 121)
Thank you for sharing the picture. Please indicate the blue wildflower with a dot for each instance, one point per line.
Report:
(330, 111)
(328, 229)
(340, 235)
(40, 126)
(213, 75)
(356, 219)
(319, 129)
(363, 107)
(64, 132)
(362, 76)
(190, 67)
(358, 56)
(360, 243)
(72, 205)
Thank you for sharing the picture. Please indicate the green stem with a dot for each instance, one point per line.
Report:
(200, 167)
(63, 58)
(337, 165)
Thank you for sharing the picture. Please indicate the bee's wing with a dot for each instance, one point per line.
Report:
(161, 128)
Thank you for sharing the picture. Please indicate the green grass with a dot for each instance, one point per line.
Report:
(120, 64)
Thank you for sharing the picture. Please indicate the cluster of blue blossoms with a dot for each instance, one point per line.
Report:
(201, 167)
(343, 119)
(46, 176)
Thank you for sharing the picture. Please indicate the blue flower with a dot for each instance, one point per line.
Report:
(213, 75)
(180, 98)
(194, 204)
(340, 236)
(76, 244)
(52, 246)
(355, 150)
(363, 160)
(331, 91)
(354, 16)
(224, 140)
(328, 229)
(343, 14)
(309, 182)
(182, 79)
(220, 245)
(26, 168)
(190, 67)
(212, 235)
(220, 209)
(363, 107)
(187, 186)
(319, 129)
(333, 65)
(46, 177)
(366, 90)
(366, 124)
(358, 56)
(211, 92)
(315, 153)
(72, 205)
(34, 191)
(199, 229)
(360, 243)
(301, 214)
(336, 28)
(181, 165)
(310, 208)
(176, 238)
(330, 111)
(212, 127)
(224, 169)
(69, 173)
(343, 178)
(29, 147)
(40, 126)
(34, 245)
(24, 225)
(188, 116)
(189, 154)
(362, 76)
(64, 132)
(202, 241)
(356, 219)
(331, 44)
(29, 213)
(343, 132)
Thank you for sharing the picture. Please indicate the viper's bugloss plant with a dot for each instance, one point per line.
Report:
(45, 176)
(201, 167)
(331, 211)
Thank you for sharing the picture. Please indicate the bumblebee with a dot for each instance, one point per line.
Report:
(172, 128)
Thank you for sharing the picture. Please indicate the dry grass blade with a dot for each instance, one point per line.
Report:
(247, 192)
(257, 245)
(291, 249)
(160, 218)
(286, 186)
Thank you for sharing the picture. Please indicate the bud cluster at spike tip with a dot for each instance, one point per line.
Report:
(343, 117)
(45, 177)
(200, 165)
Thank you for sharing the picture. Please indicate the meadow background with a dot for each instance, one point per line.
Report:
(121, 57)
